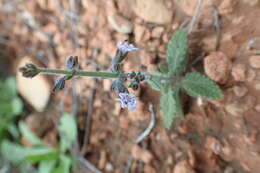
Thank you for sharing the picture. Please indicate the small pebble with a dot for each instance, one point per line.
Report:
(254, 61)
(229, 169)
(257, 108)
(157, 32)
(240, 91)
(109, 167)
(239, 72)
(217, 66)
(251, 74)
(120, 24)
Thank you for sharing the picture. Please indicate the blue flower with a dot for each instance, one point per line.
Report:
(128, 100)
(124, 48)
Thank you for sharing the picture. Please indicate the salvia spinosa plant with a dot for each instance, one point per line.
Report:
(170, 80)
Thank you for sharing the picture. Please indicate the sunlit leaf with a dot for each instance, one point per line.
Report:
(36, 154)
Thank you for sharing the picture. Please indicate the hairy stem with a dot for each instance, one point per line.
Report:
(92, 73)
(78, 73)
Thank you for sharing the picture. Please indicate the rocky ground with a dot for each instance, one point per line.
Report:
(215, 136)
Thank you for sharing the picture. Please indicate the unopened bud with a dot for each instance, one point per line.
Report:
(59, 84)
(119, 86)
(29, 70)
(134, 85)
(72, 63)
(132, 75)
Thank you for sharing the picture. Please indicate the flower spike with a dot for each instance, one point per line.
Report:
(124, 48)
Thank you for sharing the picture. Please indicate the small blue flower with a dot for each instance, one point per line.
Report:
(128, 100)
(124, 48)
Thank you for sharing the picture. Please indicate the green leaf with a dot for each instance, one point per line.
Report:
(68, 131)
(17, 153)
(36, 154)
(47, 166)
(155, 84)
(6, 109)
(26, 132)
(176, 52)
(17, 106)
(10, 83)
(177, 105)
(198, 85)
(170, 106)
(26, 167)
(64, 164)
(155, 81)
(163, 69)
(13, 152)
(13, 130)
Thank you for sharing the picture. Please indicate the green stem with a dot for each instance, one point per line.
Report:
(92, 73)
(157, 76)
(78, 73)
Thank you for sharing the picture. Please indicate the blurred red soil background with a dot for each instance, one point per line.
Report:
(214, 137)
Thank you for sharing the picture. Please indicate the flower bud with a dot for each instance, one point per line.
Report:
(119, 86)
(134, 85)
(29, 70)
(132, 75)
(59, 84)
(72, 63)
(121, 53)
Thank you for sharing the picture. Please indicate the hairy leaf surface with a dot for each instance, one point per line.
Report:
(170, 107)
(176, 52)
(198, 85)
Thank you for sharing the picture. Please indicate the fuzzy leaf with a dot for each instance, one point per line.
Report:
(155, 82)
(198, 85)
(170, 107)
(177, 51)
(163, 69)
(178, 105)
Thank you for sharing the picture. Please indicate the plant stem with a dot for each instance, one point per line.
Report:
(92, 73)
(78, 73)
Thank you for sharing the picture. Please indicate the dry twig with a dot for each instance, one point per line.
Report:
(217, 26)
(148, 130)
(88, 165)
(90, 110)
(196, 15)
(91, 98)
(129, 164)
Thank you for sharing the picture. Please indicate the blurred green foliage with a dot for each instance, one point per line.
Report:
(39, 158)
(10, 107)
(49, 159)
